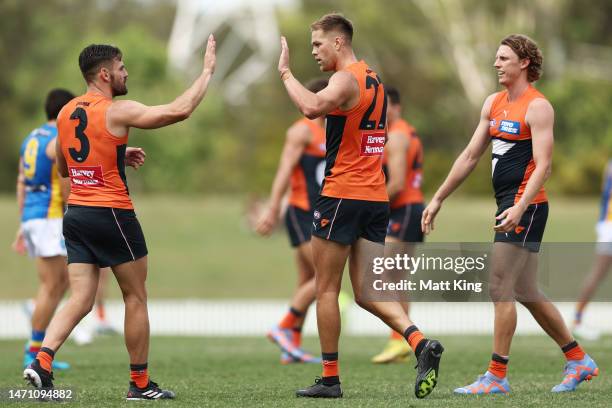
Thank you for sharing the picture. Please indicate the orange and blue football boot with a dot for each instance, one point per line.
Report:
(283, 338)
(575, 372)
(486, 384)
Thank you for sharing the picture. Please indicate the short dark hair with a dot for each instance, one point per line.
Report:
(525, 47)
(56, 99)
(317, 84)
(95, 55)
(393, 95)
(334, 21)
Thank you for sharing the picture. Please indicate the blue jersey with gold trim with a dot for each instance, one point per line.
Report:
(43, 198)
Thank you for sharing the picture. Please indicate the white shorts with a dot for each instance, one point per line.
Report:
(604, 238)
(43, 237)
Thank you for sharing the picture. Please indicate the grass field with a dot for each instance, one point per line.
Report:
(244, 372)
(201, 247)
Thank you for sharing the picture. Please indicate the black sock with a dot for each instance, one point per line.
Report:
(329, 381)
(296, 312)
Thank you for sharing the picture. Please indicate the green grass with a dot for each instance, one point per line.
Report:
(244, 372)
(201, 247)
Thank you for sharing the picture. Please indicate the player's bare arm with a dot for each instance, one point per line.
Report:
(540, 117)
(341, 92)
(463, 166)
(18, 245)
(60, 160)
(298, 137)
(126, 113)
(395, 150)
(20, 186)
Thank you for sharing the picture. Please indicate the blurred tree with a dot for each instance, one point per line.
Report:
(439, 53)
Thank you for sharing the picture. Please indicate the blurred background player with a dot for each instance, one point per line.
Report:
(100, 226)
(41, 195)
(301, 168)
(603, 259)
(352, 212)
(520, 122)
(403, 164)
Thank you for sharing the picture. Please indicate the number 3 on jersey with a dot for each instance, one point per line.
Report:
(79, 132)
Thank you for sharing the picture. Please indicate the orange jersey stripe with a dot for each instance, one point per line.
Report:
(94, 156)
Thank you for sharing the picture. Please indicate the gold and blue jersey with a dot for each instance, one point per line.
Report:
(606, 196)
(43, 198)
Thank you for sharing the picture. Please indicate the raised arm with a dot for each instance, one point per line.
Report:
(342, 90)
(540, 117)
(395, 150)
(125, 113)
(298, 136)
(463, 166)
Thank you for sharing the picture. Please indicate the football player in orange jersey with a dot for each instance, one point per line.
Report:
(41, 196)
(520, 121)
(352, 212)
(403, 164)
(100, 226)
(300, 170)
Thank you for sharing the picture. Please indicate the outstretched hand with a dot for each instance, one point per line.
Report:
(283, 60)
(210, 57)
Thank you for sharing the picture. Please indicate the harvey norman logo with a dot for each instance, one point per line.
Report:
(372, 144)
(509, 126)
(86, 176)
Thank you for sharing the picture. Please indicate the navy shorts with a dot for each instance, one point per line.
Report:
(299, 225)
(405, 223)
(529, 231)
(345, 220)
(102, 236)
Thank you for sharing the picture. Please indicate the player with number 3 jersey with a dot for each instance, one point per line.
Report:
(100, 226)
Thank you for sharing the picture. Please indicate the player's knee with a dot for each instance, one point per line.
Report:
(55, 289)
(135, 297)
(500, 293)
(82, 304)
(362, 303)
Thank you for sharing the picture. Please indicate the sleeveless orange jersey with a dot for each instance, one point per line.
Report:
(512, 150)
(307, 176)
(411, 193)
(94, 156)
(355, 142)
